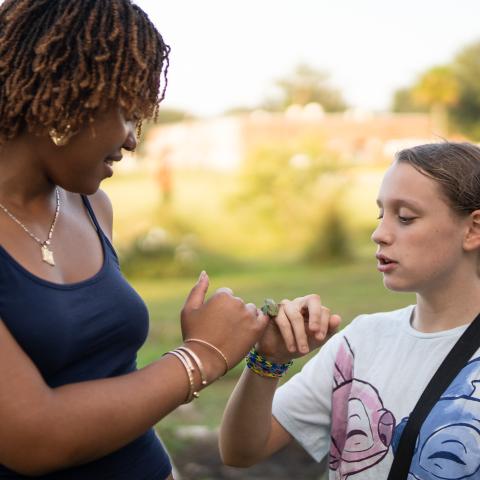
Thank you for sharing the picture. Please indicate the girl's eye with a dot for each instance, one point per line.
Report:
(405, 220)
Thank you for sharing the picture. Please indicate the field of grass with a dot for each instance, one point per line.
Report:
(202, 204)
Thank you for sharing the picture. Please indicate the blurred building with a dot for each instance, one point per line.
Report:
(221, 143)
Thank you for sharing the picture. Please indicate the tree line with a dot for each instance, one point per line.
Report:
(451, 92)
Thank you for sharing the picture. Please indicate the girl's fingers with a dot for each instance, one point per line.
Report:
(304, 322)
(335, 321)
(312, 310)
(324, 327)
(285, 327)
(297, 322)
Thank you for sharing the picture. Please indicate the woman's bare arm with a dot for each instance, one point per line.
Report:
(45, 429)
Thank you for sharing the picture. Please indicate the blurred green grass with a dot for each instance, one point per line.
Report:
(202, 204)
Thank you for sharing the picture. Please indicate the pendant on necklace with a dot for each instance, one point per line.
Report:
(47, 255)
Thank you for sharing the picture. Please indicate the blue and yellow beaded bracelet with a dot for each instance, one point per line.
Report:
(261, 366)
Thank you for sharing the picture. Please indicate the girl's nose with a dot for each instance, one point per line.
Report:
(381, 235)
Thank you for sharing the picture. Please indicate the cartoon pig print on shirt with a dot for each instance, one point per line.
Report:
(362, 428)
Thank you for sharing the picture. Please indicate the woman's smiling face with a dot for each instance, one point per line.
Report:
(419, 236)
(87, 159)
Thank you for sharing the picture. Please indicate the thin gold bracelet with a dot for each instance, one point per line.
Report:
(180, 352)
(213, 347)
(197, 360)
(191, 393)
(187, 359)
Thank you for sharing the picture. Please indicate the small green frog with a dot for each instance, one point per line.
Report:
(270, 307)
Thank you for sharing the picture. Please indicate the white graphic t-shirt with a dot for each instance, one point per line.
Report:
(353, 398)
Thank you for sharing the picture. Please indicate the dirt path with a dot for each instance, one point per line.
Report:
(201, 461)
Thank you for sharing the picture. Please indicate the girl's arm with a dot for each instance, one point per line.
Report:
(249, 433)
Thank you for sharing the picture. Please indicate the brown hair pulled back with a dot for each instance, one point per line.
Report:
(63, 61)
(454, 166)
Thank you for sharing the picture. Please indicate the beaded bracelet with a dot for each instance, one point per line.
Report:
(261, 366)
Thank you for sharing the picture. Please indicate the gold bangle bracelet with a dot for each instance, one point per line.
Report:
(191, 393)
(197, 360)
(213, 347)
(179, 351)
(186, 358)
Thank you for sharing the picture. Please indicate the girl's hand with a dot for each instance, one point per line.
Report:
(301, 325)
(223, 320)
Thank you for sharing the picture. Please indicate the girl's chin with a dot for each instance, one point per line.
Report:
(390, 284)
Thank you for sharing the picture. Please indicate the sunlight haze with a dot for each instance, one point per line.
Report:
(227, 53)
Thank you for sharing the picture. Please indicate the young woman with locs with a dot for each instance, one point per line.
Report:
(352, 401)
(76, 79)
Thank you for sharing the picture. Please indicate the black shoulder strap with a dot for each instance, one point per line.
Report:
(91, 213)
(456, 359)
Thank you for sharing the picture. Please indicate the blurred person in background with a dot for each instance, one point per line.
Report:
(352, 400)
(77, 78)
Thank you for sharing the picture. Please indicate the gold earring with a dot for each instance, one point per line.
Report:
(60, 140)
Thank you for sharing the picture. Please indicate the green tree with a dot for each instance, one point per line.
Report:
(449, 91)
(466, 112)
(307, 85)
(403, 102)
(438, 86)
(291, 189)
(438, 89)
(330, 236)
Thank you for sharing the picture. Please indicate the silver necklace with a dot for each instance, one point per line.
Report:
(47, 254)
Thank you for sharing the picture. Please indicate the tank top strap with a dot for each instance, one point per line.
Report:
(89, 208)
(107, 245)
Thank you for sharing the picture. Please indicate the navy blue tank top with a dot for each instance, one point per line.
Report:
(83, 331)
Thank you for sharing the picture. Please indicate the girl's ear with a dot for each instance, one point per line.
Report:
(472, 238)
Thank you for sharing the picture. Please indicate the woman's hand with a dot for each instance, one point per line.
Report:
(302, 325)
(223, 320)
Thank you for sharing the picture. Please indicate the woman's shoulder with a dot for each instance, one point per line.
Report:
(100, 204)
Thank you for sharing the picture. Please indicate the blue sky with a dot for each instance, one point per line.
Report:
(227, 53)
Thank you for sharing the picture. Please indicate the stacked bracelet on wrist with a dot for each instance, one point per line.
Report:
(212, 347)
(261, 366)
(185, 355)
(190, 361)
(189, 368)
